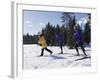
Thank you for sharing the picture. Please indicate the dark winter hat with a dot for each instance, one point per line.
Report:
(42, 34)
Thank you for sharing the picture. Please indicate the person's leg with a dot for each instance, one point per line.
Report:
(61, 48)
(83, 49)
(42, 52)
(76, 47)
(48, 50)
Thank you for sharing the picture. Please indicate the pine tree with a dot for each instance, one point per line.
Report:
(69, 21)
(87, 30)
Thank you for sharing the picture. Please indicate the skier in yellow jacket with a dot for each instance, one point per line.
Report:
(43, 44)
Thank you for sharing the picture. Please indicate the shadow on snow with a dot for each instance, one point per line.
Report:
(82, 58)
(57, 57)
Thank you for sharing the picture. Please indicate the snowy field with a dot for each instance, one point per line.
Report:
(56, 60)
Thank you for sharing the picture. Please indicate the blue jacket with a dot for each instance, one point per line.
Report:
(78, 36)
(59, 38)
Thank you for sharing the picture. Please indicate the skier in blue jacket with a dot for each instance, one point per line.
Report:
(78, 39)
(60, 39)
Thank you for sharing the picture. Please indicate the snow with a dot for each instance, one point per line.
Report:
(32, 60)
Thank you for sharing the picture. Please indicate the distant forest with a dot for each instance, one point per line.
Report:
(67, 30)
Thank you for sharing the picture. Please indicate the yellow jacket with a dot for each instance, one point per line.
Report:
(42, 41)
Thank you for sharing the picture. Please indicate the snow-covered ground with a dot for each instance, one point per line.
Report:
(56, 60)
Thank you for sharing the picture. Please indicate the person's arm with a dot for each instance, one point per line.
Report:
(39, 41)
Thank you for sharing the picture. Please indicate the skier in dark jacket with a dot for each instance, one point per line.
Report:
(78, 39)
(59, 39)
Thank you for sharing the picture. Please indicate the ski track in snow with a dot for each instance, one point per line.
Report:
(56, 60)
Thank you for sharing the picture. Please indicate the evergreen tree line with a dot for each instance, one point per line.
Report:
(67, 30)
(50, 32)
(30, 39)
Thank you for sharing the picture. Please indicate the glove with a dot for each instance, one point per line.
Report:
(40, 44)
